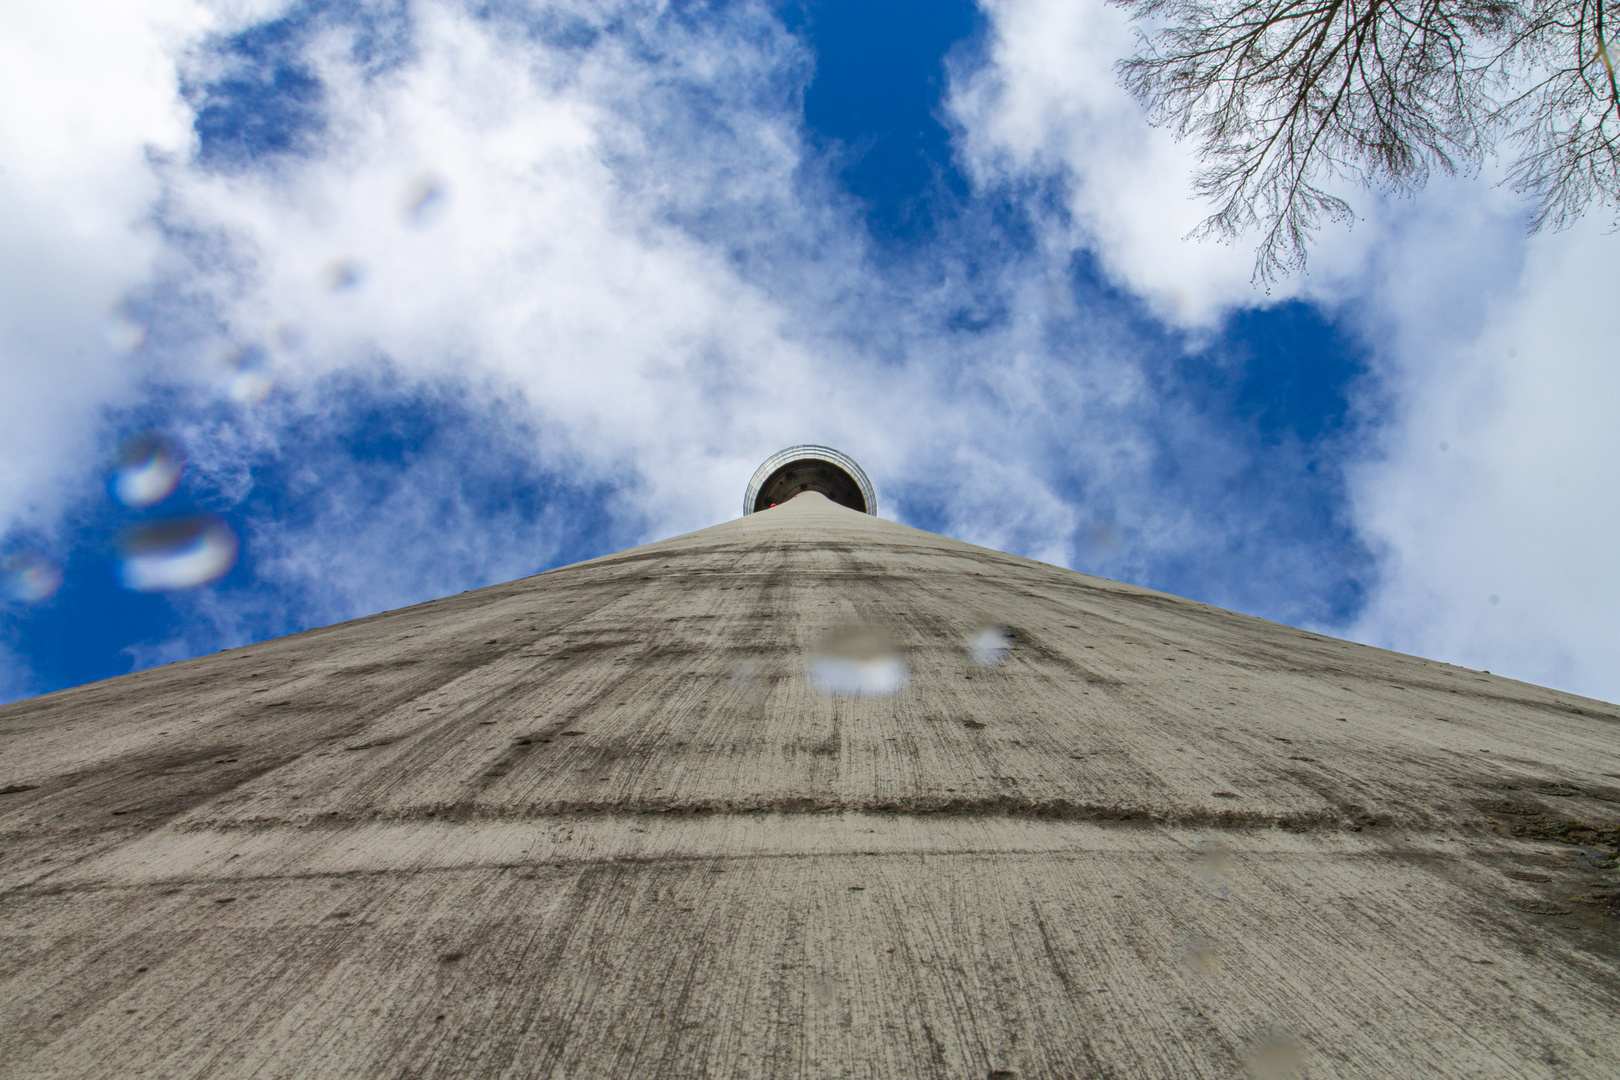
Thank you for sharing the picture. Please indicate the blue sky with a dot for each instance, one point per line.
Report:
(434, 295)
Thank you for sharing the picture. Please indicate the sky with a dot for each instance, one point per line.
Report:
(316, 309)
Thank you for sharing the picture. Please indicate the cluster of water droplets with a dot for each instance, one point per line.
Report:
(865, 659)
(184, 552)
(167, 553)
(1271, 1051)
(155, 555)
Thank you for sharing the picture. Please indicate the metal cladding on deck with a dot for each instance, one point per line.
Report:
(597, 823)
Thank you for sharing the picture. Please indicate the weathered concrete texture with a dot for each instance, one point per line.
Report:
(597, 823)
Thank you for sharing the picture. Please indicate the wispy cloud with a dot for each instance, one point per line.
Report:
(1496, 502)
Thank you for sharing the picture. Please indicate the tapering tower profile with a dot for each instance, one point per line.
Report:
(809, 793)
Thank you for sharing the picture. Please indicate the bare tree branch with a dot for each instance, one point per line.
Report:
(1566, 124)
(1288, 98)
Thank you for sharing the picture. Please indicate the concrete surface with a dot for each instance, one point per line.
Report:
(597, 823)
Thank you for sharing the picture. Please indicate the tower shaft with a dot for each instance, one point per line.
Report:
(599, 822)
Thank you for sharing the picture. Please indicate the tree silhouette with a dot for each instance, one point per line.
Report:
(1286, 97)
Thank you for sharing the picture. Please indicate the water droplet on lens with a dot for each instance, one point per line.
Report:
(857, 661)
(990, 645)
(1274, 1054)
(247, 381)
(341, 274)
(284, 338)
(1059, 298)
(149, 467)
(124, 333)
(743, 673)
(28, 577)
(1213, 864)
(1197, 955)
(424, 198)
(250, 387)
(1102, 536)
(177, 554)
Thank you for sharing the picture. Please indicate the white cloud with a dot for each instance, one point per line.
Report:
(559, 269)
(1048, 102)
(1498, 503)
(89, 92)
(541, 270)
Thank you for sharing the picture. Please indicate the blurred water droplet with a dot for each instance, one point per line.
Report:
(1059, 299)
(28, 577)
(1197, 955)
(1274, 1054)
(857, 661)
(180, 553)
(424, 199)
(990, 645)
(744, 673)
(247, 380)
(149, 467)
(250, 387)
(1102, 536)
(124, 333)
(284, 338)
(341, 274)
(1213, 863)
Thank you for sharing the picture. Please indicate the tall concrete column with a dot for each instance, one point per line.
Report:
(809, 793)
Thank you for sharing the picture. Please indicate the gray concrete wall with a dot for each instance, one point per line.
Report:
(599, 823)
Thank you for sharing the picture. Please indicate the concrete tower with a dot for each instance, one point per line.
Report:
(809, 793)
